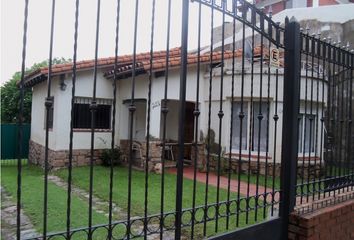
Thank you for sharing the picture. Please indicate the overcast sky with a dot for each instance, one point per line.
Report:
(12, 16)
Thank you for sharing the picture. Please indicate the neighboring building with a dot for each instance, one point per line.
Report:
(280, 5)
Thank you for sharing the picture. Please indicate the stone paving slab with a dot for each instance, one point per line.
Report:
(9, 216)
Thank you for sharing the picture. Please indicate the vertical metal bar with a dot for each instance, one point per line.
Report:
(310, 117)
(303, 148)
(148, 120)
(231, 111)
(334, 119)
(205, 217)
(320, 183)
(341, 81)
(328, 116)
(270, 33)
(260, 119)
(20, 122)
(315, 179)
(182, 108)
(350, 127)
(251, 132)
(93, 109)
(164, 112)
(48, 106)
(132, 109)
(299, 182)
(196, 120)
(241, 114)
(111, 172)
(68, 210)
(332, 116)
(347, 104)
(276, 118)
(290, 126)
(220, 115)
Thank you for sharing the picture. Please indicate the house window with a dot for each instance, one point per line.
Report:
(236, 126)
(82, 113)
(306, 133)
(254, 130)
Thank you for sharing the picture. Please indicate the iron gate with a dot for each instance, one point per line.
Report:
(249, 104)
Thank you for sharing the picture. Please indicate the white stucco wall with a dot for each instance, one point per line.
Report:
(84, 88)
(59, 136)
(39, 95)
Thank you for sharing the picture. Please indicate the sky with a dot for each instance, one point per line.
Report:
(12, 17)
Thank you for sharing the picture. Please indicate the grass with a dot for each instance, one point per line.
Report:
(32, 198)
(32, 201)
(120, 193)
(261, 180)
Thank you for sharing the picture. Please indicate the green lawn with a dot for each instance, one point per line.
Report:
(120, 193)
(32, 197)
(261, 180)
(32, 201)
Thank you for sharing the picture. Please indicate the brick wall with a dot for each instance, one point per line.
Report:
(334, 222)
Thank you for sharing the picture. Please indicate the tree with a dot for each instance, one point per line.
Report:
(10, 95)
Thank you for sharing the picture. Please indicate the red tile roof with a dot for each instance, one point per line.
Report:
(101, 63)
(142, 63)
(175, 61)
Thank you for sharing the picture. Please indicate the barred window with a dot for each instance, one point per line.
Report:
(254, 130)
(307, 133)
(82, 113)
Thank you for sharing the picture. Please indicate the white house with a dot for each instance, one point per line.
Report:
(269, 145)
(263, 144)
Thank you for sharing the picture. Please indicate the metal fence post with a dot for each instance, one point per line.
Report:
(290, 121)
(182, 108)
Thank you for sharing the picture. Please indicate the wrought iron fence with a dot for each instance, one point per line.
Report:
(256, 120)
(325, 167)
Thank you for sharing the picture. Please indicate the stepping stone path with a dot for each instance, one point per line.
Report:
(98, 205)
(101, 206)
(9, 218)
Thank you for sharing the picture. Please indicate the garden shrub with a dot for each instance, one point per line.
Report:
(111, 154)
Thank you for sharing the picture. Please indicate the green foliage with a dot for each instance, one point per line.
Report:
(10, 99)
(10, 95)
(114, 154)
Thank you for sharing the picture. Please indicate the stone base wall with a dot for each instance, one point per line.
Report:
(60, 158)
(246, 166)
(310, 168)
